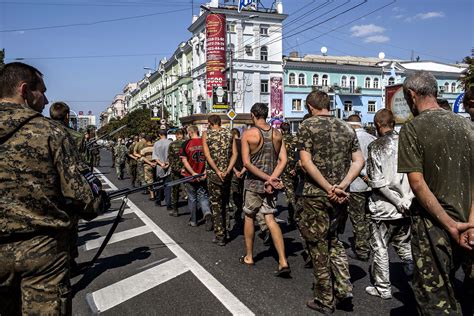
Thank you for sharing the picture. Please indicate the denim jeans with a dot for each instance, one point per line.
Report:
(197, 193)
(165, 193)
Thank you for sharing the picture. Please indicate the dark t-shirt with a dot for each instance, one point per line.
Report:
(439, 144)
(331, 142)
(192, 150)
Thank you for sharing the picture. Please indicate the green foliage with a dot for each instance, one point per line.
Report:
(137, 122)
(2, 57)
(467, 79)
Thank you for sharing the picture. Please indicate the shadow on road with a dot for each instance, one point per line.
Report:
(104, 264)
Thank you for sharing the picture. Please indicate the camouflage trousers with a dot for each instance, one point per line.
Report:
(437, 257)
(140, 172)
(119, 168)
(34, 276)
(218, 200)
(318, 223)
(132, 171)
(358, 211)
(236, 202)
(383, 233)
(288, 182)
(148, 174)
(175, 175)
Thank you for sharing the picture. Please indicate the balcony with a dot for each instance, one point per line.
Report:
(349, 90)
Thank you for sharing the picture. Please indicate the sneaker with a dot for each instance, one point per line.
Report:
(208, 219)
(372, 290)
(173, 213)
(192, 224)
(319, 308)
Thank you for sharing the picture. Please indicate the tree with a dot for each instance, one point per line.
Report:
(2, 57)
(467, 78)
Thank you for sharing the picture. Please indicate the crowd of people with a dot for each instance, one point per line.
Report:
(411, 189)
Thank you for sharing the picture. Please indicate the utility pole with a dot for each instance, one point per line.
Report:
(230, 92)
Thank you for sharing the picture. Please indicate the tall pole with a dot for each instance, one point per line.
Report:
(230, 93)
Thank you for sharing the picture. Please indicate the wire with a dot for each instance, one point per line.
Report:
(91, 23)
(110, 4)
(89, 56)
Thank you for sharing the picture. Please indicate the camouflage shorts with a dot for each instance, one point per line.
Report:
(148, 174)
(259, 203)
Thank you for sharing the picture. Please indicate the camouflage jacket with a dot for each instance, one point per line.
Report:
(290, 146)
(121, 152)
(173, 156)
(331, 142)
(40, 179)
(220, 149)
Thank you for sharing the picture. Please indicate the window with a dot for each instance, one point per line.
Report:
(248, 50)
(264, 86)
(391, 81)
(231, 27)
(352, 83)
(292, 79)
(453, 87)
(367, 82)
(296, 105)
(343, 82)
(301, 80)
(315, 80)
(264, 53)
(371, 107)
(376, 83)
(324, 81)
(264, 30)
(348, 106)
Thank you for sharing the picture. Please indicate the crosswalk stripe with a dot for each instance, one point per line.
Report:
(111, 214)
(127, 234)
(119, 292)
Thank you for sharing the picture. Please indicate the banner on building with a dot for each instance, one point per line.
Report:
(219, 98)
(215, 51)
(395, 102)
(245, 3)
(276, 97)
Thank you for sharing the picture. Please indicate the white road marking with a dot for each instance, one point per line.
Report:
(127, 234)
(111, 214)
(119, 292)
(229, 300)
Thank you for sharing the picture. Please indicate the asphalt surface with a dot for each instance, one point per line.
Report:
(143, 272)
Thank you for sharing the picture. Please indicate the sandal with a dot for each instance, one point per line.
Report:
(283, 272)
(242, 260)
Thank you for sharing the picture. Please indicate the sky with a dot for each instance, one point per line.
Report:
(89, 50)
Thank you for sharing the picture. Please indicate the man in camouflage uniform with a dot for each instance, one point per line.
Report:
(288, 175)
(175, 166)
(132, 161)
(221, 154)
(136, 153)
(120, 157)
(436, 151)
(41, 186)
(330, 154)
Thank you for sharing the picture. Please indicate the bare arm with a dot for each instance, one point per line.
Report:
(151, 163)
(430, 203)
(313, 171)
(282, 160)
(356, 166)
(233, 158)
(187, 166)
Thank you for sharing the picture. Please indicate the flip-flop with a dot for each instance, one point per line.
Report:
(242, 260)
(283, 272)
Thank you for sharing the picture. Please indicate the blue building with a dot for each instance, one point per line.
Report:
(355, 85)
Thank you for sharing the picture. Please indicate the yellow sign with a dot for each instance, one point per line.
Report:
(231, 115)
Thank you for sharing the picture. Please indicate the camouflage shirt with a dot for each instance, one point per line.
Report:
(39, 176)
(331, 142)
(290, 146)
(121, 152)
(139, 146)
(173, 156)
(220, 148)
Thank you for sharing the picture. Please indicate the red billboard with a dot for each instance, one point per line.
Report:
(215, 51)
(276, 96)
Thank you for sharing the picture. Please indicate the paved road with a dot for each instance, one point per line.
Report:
(158, 265)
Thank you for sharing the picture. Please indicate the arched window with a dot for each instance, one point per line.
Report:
(391, 81)
(264, 53)
(376, 83)
(315, 80)
(453, 87)
(292, 79)
(352, 83)
(344, 81)
(446, 86)
(301, 80)
(367, 82)
(324, 80)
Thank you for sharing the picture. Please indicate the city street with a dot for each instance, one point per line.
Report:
(158, 265)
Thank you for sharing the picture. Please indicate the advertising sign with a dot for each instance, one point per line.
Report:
(395, 102)
(219, 98)
(276, 96)
(215, 51)
(244, 3)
